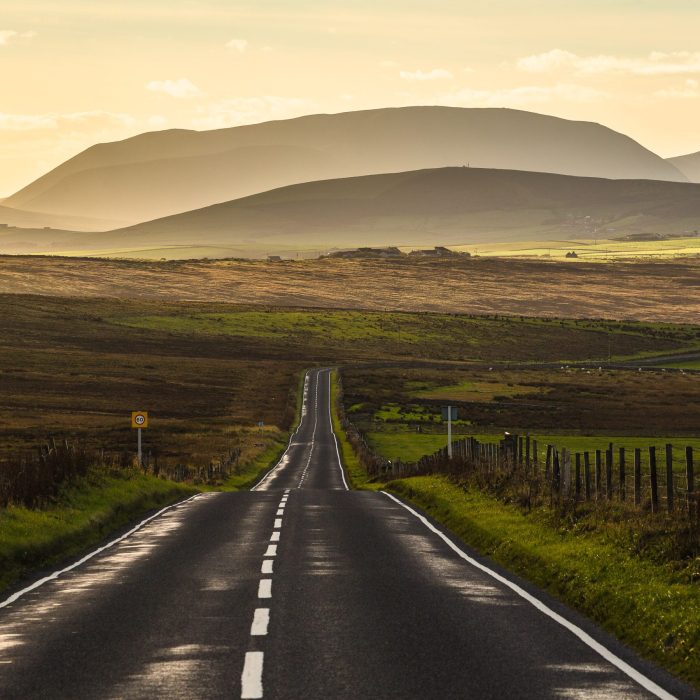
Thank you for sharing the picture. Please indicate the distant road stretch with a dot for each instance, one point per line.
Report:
(302, 589)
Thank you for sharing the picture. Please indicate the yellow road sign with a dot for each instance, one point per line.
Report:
(139, 419)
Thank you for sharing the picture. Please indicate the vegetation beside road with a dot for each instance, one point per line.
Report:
(600, 571)
(84, 513)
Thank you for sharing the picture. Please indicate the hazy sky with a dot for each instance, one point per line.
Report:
(76, 72)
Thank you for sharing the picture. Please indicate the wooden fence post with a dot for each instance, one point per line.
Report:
(653, 480)
(535, 457)
(609, 472)
(690, 477)
(623, 486)
(598, 475)
(548, 462)
(577, 486)
(669, 477)
(556, 472)
(527, 453)
(587, 474)
(637, 476)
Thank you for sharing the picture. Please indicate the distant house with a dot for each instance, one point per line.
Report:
(3, 225)
(437, 252)
(572, 254)
(274, 258)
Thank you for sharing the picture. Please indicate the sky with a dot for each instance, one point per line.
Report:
(78, 72)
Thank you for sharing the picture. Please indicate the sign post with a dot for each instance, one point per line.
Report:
(139, 420)
(449, 413)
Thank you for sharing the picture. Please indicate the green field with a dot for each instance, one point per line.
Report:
(589, 250)
(409, 447)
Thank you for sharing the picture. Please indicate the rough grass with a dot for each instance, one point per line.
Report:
(357, 476)
(84, 513)
(477, 285)
(645, 605)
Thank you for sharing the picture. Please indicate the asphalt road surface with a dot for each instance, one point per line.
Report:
(303, 589)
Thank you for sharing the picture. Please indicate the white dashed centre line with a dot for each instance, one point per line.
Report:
(261, 620)
(265, 588)
(275, 537)
(278, 523)
(266, 567)
(251, 680)
(281, 511)
(271, 550)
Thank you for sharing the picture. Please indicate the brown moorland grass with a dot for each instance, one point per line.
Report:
(642, 290)
(75, 368)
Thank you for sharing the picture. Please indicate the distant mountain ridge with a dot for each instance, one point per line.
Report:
(445, 206)
(689, 165)
(160, 173)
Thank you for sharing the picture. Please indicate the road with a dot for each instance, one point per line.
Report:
(299, 589)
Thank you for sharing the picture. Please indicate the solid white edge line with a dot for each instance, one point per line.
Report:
(289, 444)
(261, 621)
(603, 651)
(251, 678)
(51, 577)
(335, 439)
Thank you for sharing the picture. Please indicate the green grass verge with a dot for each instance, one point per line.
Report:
(356, 474)
(84, 514)
(639, 602)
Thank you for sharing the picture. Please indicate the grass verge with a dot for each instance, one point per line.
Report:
(639, 602)
(357, 475)
(83, 515)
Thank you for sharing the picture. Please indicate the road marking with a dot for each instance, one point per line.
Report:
(87, 557)
(251, 679)
(287, 490)
(265, 588)
(275, 536)
(266, 567)
(603, 651)
(282, 459)
(280, 511)
(271, 550)
(278, 522)
(335, 439)
(261, 620)
(313, 435)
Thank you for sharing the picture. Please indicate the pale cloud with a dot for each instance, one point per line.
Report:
(251, 110)
(239, 45)
(9, 35)
(389, 64)
(77, 121)
(656, 63)
(688, 90)
(181, 89)
(521, 96)
(419, 75)
(157, 121)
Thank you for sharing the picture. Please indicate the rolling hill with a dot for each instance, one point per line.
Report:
(446, 206)
(160, 173)
(689, 165)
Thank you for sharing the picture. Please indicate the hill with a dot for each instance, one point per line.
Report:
(9, 216)
(160, 173)
(688, 165)
(446, 206)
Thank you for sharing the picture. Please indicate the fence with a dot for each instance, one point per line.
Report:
(31, 479)
(641, 479)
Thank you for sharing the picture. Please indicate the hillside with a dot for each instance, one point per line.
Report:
(10, 216)
(688, 165)
(165, 172)
(429, 207)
